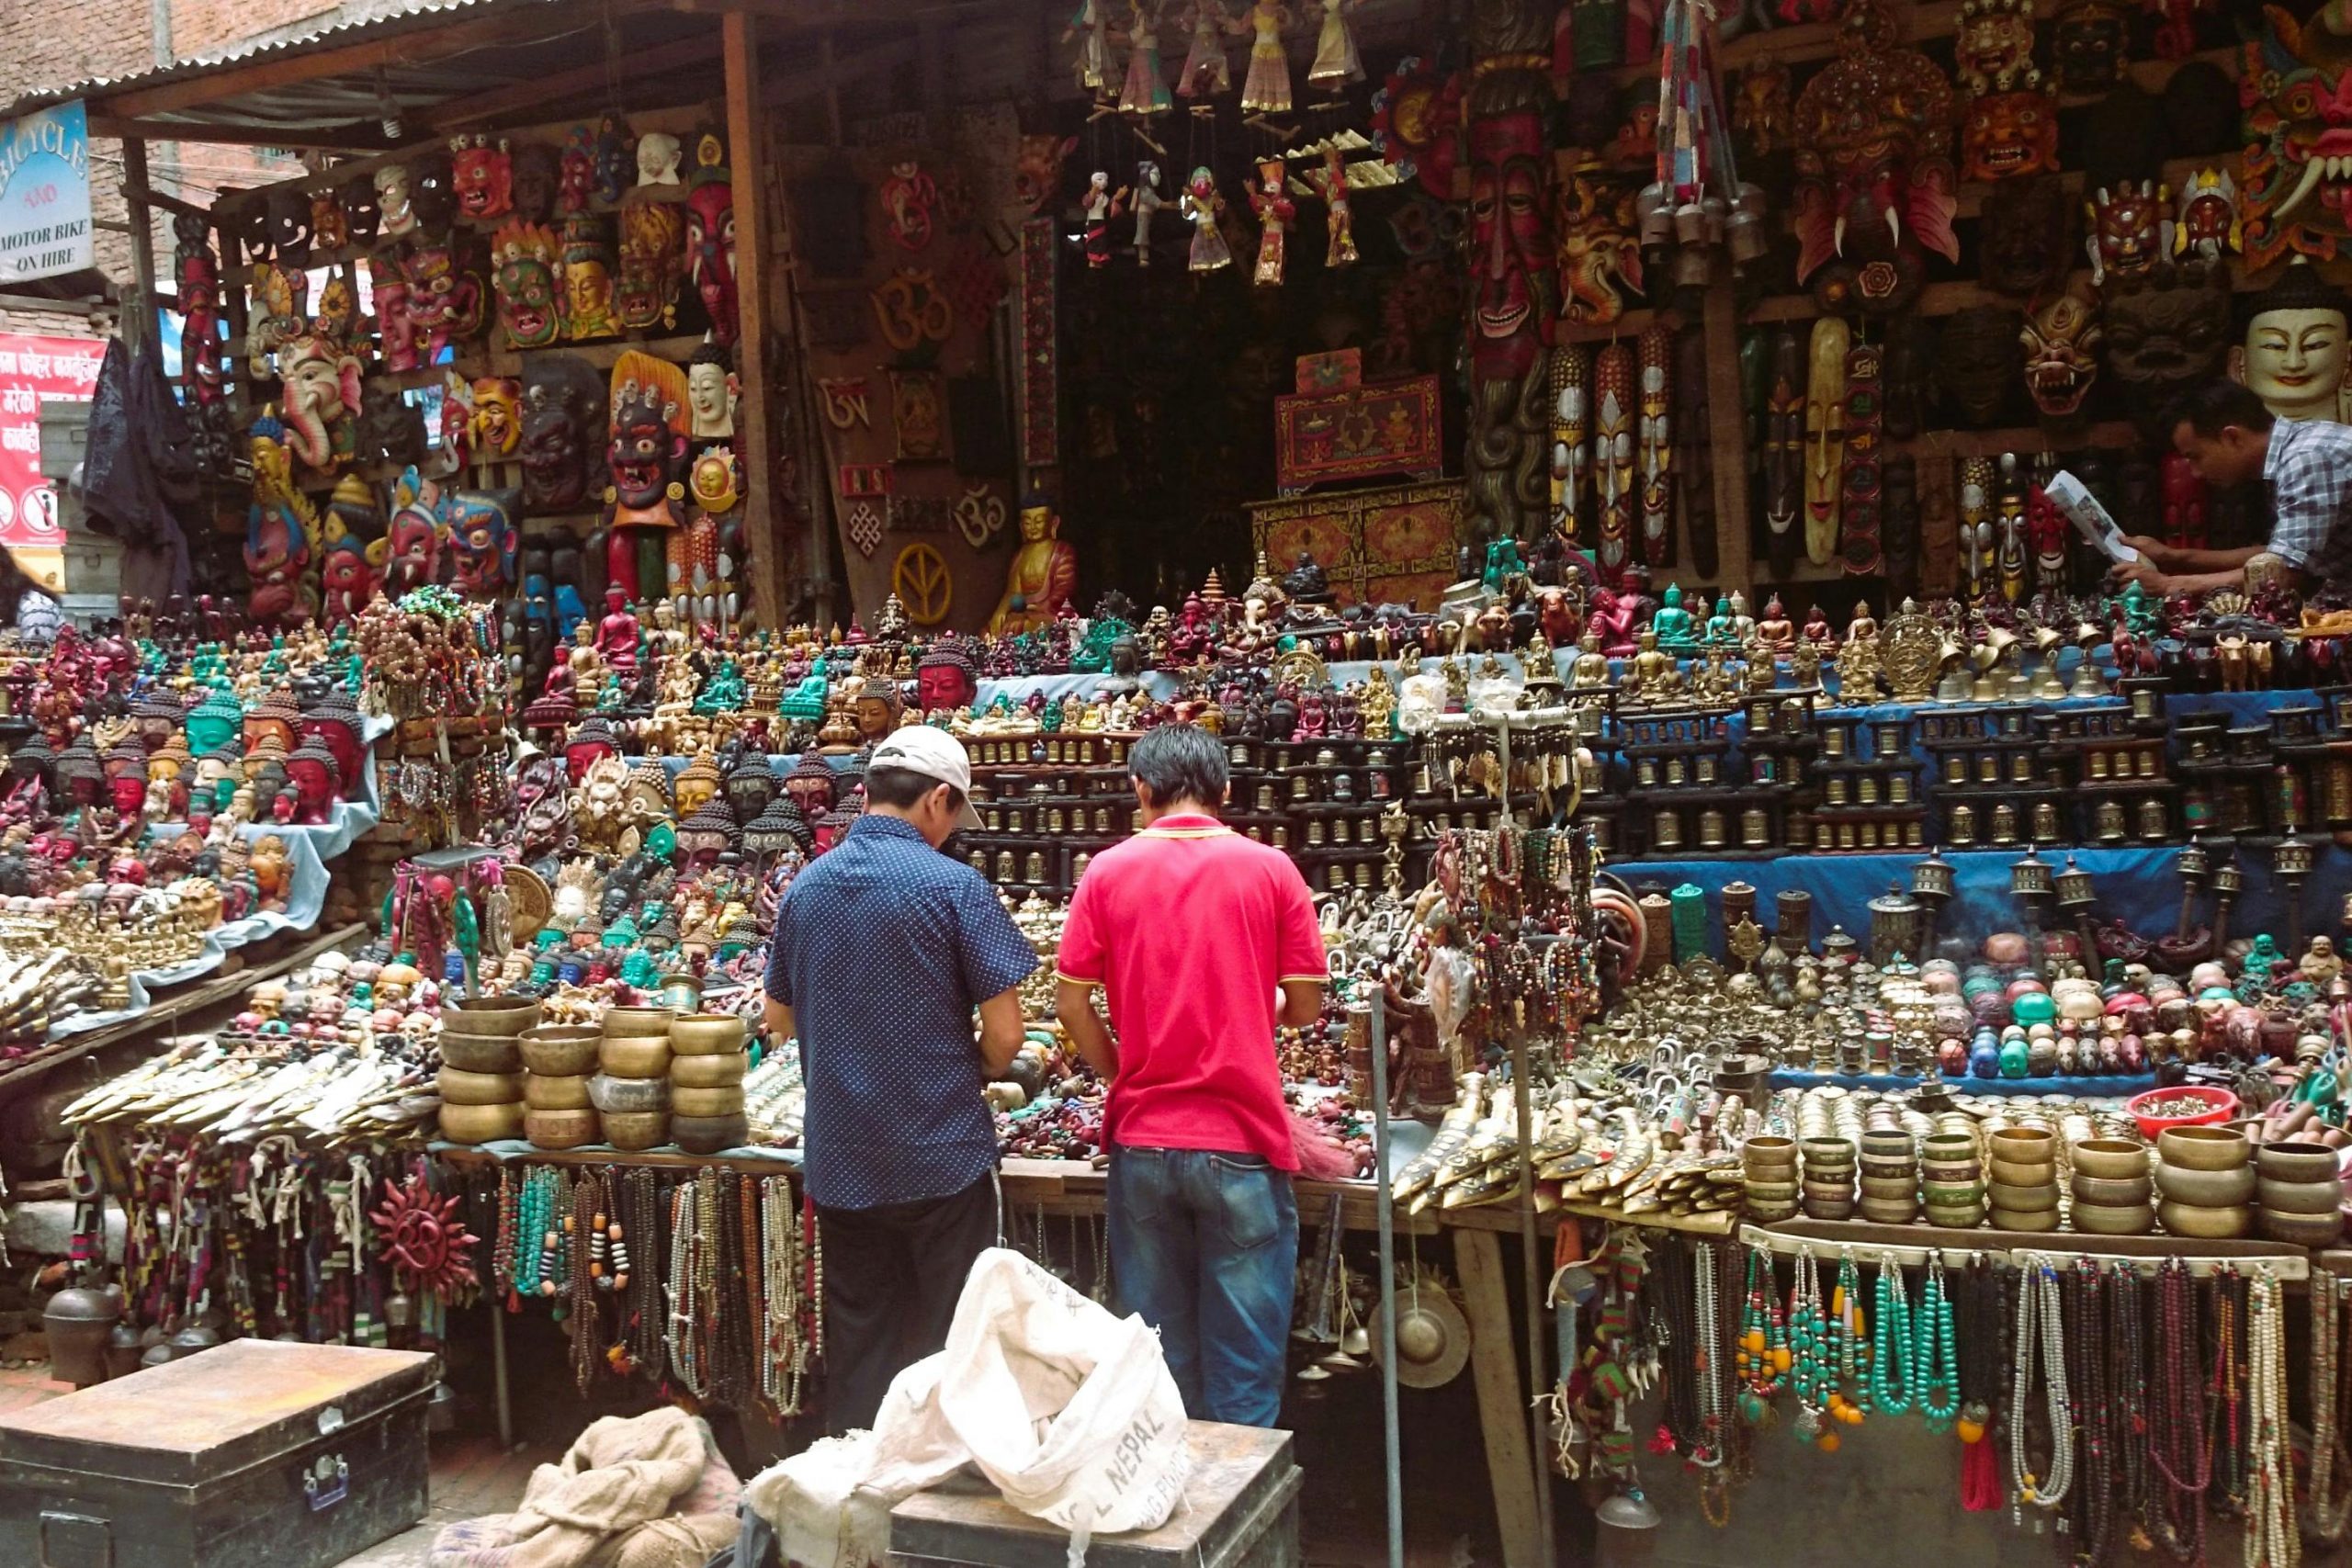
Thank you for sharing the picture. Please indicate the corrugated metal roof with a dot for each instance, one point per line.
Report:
(409, 16)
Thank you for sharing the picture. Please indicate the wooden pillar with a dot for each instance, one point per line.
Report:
(1502, 1403)
(746, 149)
(1727, 408)
(141, 322)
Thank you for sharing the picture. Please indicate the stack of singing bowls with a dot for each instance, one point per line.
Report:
(2024, 1190)
(2299, 1201)
(1890, 1177)
(2112, 1191)
(2205, 1179)
(631, 1089)
(1829, 1178)
(481, 1068)
(556, 1060)
(1952, 1180)
(1770, 1164)
(707, 1061)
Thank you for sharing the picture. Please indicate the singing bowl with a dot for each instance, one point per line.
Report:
(707, 1102)
(2299, 1197)
(1951, 1194)
(2024, 1145)
(1949, 1172)
(1768, 1151)
(628, 1096)
(2023, 1174)
(491, 1015)
(2203, 1148)
(707, 1072)
(1890, 1145)
(1828, 1153)
(480, 1052)
(2116, 1219)
(561, 1050)
(1770, 1213)
(709, 1135)
(2024, 1200)
(1829, 1208)
(1881, 1188)
(1954, 1217)
(546, 1091)
(1948, 1148)
(2206, 1189)
(2302, 1230)
(482, 1124)
(1889, 1211)
(1761, 1193)
(2111, 1190)
(636, 1130)
(2025, 1221)
(637, 1058)
(2296, 1162)
(2223, 1223)
(559, 1129)
(461, 1088)
(637, 1024)
(706, 1033)
(1841, 1190)
(2110, 1157)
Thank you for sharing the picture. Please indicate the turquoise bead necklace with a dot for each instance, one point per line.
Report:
(1934, 1359)
(1893, 1353)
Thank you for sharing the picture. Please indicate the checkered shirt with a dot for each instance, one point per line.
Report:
(2309, 474)
(882, 948)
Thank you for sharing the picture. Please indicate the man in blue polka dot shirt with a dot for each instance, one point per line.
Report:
(883, 950)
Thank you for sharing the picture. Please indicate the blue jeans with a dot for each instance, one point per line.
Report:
(1205, 1246)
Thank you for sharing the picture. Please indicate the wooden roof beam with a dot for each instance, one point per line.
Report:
(563, 84)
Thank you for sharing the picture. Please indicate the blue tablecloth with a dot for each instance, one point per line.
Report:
(2142, 887)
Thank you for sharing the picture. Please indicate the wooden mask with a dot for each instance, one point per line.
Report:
(1825, 437)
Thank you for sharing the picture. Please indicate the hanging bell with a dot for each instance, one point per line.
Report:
(1690, 224)
(399, 1310)
(1654, 216)
(79, 1324)
(1744, 230)
(1628, 1510)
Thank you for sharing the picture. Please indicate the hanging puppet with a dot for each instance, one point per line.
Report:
(1147, 200)
(1206, 68)
(1336, 62)
(1145, 91)
(1276, 210)
(1202, 207)
(1266, 90)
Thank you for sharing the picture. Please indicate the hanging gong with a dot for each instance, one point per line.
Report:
(1432, 1336)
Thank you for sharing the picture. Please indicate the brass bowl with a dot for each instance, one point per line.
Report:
(1948, 1148)
(637, 1024)
(636, 1130)
(1890, 1145)
(709, 1135)
(706, 1033)
(2025, 1222)
(1948, 1171)
(1834, 1191)
(628, 1096)
(548, 1091)
(1890, 1210)
(2223, 1223)
(2203, 1148)
(1827, 1153)
(713, 1072)
(1770, 1193)
(1951, 1194)
(2296, 1162)
(2299, 1197)
(2110, 1157)
(707, 1102)
(559, 1129)
(1770, 1213)
(1954, 1216)
(2117, 1219)
(2302, 1230)
(2111, 1190)
(1828, 1208)
(2205, 1189)
(638, 1058)
(459, 1086)
(491, 1015)
(480, 1052)
(482, 1124)
(1769, 1151)
(2023, 1200)
(561, 1050)
(2013, 1174)
(1885, 1187)
(2024, 1145)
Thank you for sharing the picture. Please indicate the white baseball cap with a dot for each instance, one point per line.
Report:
(934, 753)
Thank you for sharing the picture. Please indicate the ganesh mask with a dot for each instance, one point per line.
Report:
(710, 253)
(320, 385)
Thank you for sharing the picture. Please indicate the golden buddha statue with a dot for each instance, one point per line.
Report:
(1041, 576)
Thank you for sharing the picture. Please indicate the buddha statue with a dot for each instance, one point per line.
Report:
(1775, 630)
(1673, 628)
(1041, 576)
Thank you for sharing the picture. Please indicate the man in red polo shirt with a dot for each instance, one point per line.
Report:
(1192, 930)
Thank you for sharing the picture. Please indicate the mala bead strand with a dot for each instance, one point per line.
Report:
(2038, 1319)
(587, 1219)
(2127, 1391)
(1891, 1341)
(2271, 1538)
(2093, 1413)
(1808, 1346)
(1980, 1377)
(2327, 1516)
(684, 1358)
(2177, 1448)
(1764, 1360)
(1846, 1331)
(2228, 1397)
(1935, 1355)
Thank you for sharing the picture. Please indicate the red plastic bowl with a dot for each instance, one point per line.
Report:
(2224, 1106)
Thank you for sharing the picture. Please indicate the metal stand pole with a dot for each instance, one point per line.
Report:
(498, 1371)
(1392, 1442)
(1532, 1280)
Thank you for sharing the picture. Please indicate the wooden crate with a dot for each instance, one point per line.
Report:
(295, 1456)
(1241, 1510)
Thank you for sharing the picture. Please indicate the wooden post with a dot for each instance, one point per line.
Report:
(140, 322)
(1502, 1403)
(746, 146)
(1726, 408)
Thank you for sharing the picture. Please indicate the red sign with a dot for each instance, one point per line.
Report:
(31, 371)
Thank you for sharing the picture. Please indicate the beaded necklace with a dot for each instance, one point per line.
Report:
(641, 1346)
(1764, 1361)
(2271, 1537)
(2227, 1399)
(684, 1337)
(1847, 1347)
(1808, 1346)
(2327, 1517)
(1980, 1387)
(2038, 1319)
(587, 1230)
(2127, 1391)
(2093, 1413)
(1893, 1355)
(1935, 1355)
(2176, 1437)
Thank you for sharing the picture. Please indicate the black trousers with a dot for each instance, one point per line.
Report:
(892, 1275)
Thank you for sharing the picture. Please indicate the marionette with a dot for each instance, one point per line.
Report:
(529, 310)
(1202, 206)
(710, 237)
(1099, 206)
(2061, 339)
(1091, 27)
(1145, 200)
(1860, 485)
(1276, 210)
(1145, 92)
(2295, 347)
(482, 175)
(1783, 451)
(1206, 68)
(1613, 406)
(1336, 61)
(1340, 244)
(1266, 89)
(1654, 441)
(1571, 372)
(1825, 435)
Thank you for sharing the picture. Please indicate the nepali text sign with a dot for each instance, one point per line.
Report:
(45, 194)
(32, 371)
